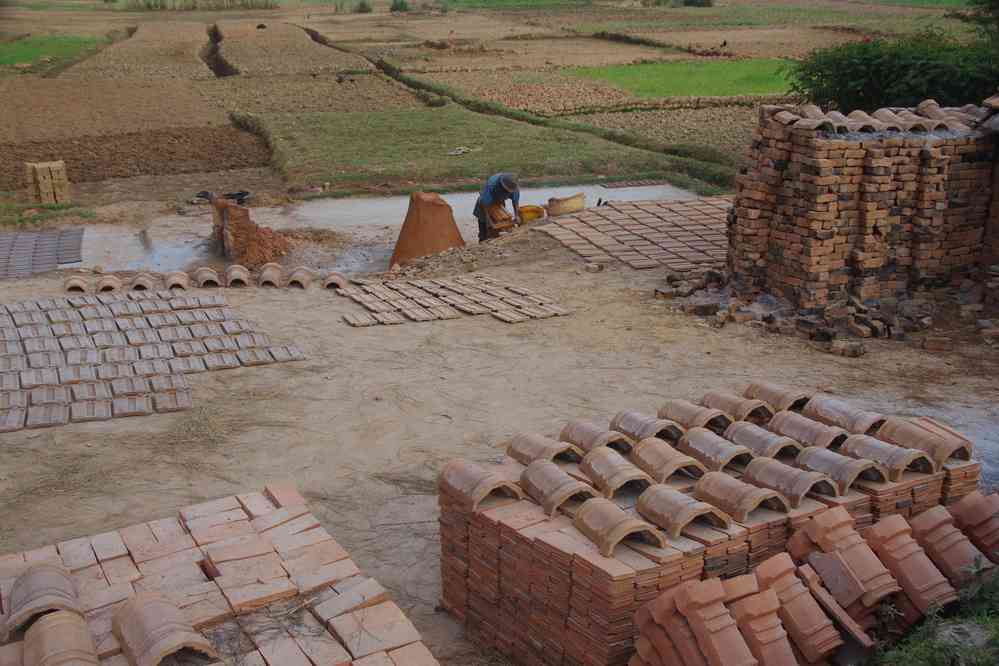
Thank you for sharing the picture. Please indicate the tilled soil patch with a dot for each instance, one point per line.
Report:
(51, 109)
(156, 51)
(762, 43)
(413, 28)
(158, 152)
(280, 49)
(303, 93)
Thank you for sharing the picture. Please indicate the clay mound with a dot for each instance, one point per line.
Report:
(429, 228)
(243, 241)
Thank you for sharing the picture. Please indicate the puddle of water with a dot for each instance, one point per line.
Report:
(116, 248)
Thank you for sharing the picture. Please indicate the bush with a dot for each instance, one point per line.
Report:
(897, 72)
(399, 6)
(362, 7)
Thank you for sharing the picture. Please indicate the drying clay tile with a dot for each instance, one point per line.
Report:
(366, 593)
(108, 546)
(313, 557)
(60, 638)
(143, 282)
(674, 629)
(831, 606)
(548, 485)
(205, 277)
(237, 276)
(587, 435)
(841, 469)
(335, 281)
(12, 654)
(284, 495)
(606, 525)
(640, 426)
(129, 386)
(318, 644)
(176, 280)
(270, 276)
(661, 461)
(41, 588)
(810, 629)
(300, 278)
(673, 511)
(324, 576)
(50, 395)
(689, 415)
(76, 284)
(149, 628)
(792, 483)
(717, 634)
(47, 416)
(740, 409)
(201, 604)
(778, 397)
(191, 348)
(377, 628)
(915, 435)
(711, 450)
(806, 431)
(972, 510)
(762, 443)
(526, 448)
(924, 584)
(894, 460)
(735, 498)
(375, 659)
(251, 357)
(259, 569)
(833, 411)
(188, 365)
(277, 518)
(221, 361)
(836, 574)
(611, 472)
(949, 549)
(12, 419)
(108, 283)
(77, 554)
(469, 484)
(758, 621)
(120, 570)
(415, 654)
(151, 368)
(255, 504)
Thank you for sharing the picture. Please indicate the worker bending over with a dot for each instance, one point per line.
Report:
(490, 208)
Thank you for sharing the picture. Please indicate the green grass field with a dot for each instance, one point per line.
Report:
(516, 4)
(57, 47)
(694, 78)
(14, 214)
(406, 149)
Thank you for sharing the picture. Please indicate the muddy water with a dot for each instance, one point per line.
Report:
(178, 242)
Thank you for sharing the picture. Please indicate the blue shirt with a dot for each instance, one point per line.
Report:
(493, 192)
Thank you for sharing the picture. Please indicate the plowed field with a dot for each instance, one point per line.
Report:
(280, 49)
(155, 51)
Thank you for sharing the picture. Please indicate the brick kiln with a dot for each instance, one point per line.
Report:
(871, 206)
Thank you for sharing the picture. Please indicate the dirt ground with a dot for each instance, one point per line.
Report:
(421, 27)
(280, 49)
(155, 51)
(367, 421)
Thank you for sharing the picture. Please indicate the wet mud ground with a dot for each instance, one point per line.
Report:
(366, 422)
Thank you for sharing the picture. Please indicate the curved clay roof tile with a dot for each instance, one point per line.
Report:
(610, 471)
(833, 411)
(470, 484)
(972, 510)
(59, 639)
(270, 276)
(176, 280)
(587, 435)
(811, 111)
(823, 124)
(205, 277)
(712, 451)
(740, 409)
(606, 524)
(839, 120)
(548, 485)
(893, 459)
(335, 280)
(793, 483)
(689, 415)
(736, 498)
(948, 547)
(106, 283)
(76, 284)
(930, 109)
(143, 282)
(661, 461)
(762, 442)
(237, 276)
(778, 397)
(841, 469)
(890, 121)
(639, 426)
(785, 117)
(929, 437)
(300, 278)
(39, 589)
(149, 628)
(673, 511)
(806, 431)
(526, 448)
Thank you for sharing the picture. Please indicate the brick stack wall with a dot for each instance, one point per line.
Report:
(821, 216)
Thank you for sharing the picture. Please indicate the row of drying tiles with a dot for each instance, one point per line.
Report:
(205, 277)
(224, 566)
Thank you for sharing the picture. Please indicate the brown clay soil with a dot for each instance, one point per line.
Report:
(304, 93)
(37, 109)
(756, 43)
(513, 54)
(365, 423)
(156, 51)
(423, 27)
(280, 49)
(156, 152)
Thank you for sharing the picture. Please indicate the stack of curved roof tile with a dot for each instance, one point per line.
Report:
(928, 116)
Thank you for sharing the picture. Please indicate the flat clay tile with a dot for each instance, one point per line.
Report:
(176, 401)
(606, 525)
(712, 451)
(640, 426)
(933, 439)
(762, 443)
(833, 411)
(551, 487)
(59, 638)
(284, 494)
(382, 627)
(254, 357)
(414, 654)
(41, 588)
(894, 460)
(149, 627)
(792, 483)
(739, 408)
(611, 472)
(469, 484)
(841, 469)
(47, 416)
(587, 435)
(526, 448)
(366, 593)
(661, 461)
(736, 498)
(689, 415)
(778, 397)
(673, 511)
(807, 431)
(132, 406)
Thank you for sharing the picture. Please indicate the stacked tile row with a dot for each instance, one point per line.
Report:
(92, 358)
(680, 235)
(401, 301)
(254, 570)
(824, 213)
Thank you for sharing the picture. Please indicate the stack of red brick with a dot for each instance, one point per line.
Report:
(871, 206)
(254, 570)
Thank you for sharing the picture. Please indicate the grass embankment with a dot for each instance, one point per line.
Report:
(14, 215)
(401, 150)
(687, 78)
(39, 54)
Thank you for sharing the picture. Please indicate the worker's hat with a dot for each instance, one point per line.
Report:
(509, 182)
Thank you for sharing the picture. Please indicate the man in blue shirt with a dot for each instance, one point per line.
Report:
(491, 205)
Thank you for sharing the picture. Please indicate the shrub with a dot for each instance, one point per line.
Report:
(399, 6)
(897, 72)
(362, 7)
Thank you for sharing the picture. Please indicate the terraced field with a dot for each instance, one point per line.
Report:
(156, 51)
(273, 48)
